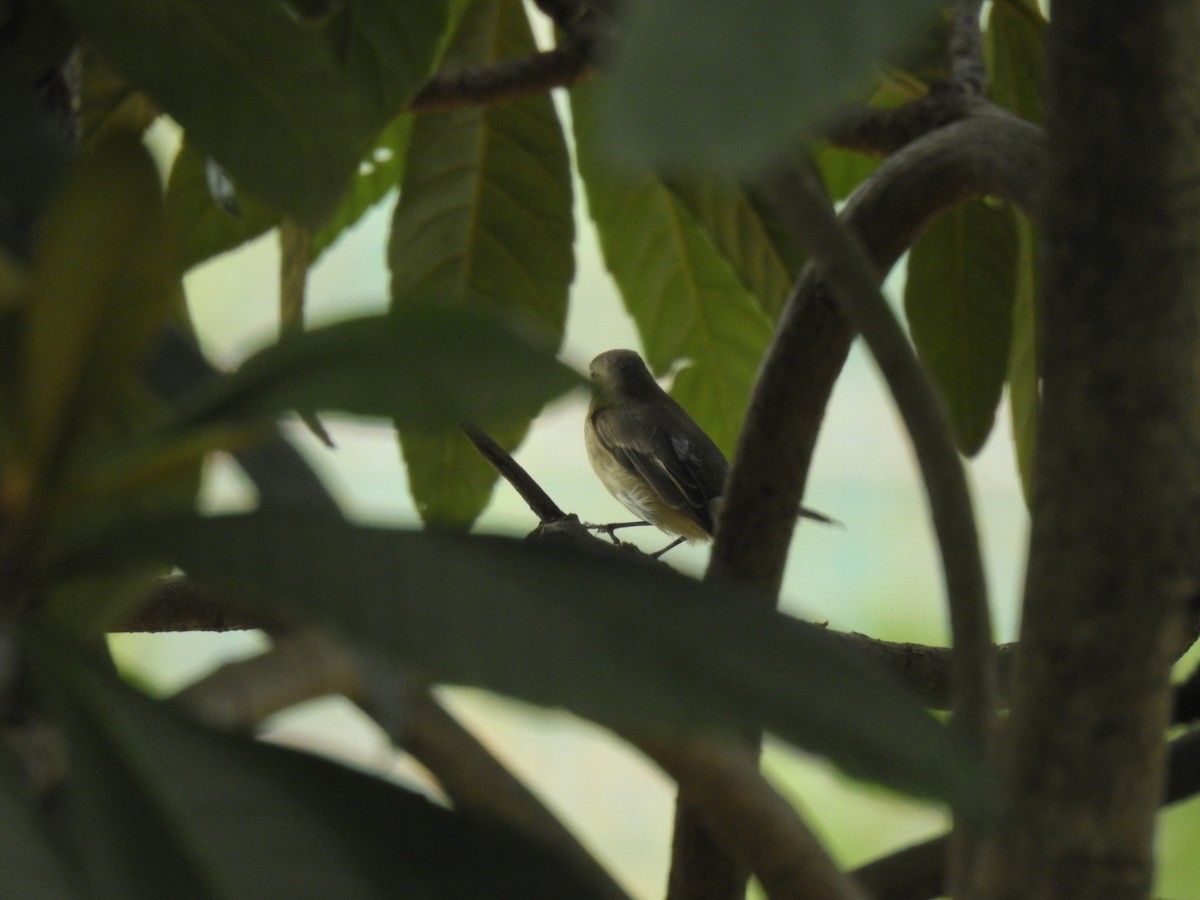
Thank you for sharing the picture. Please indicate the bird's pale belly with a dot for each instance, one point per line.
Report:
(638, 497)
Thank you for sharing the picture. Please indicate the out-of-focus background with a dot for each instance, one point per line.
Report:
(878, 574)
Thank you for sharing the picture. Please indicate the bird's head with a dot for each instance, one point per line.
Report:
(621, 374)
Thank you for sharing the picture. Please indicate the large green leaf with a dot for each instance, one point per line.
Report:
(484, 219)
(103, 283)
(428, 367)
(388, 49)
(1016, 52)
(686, 298)
(162, 807)
(622, 642)
(379, 173)
(31, 865)
(762, 251)
(1024, 382)
(266, 94)
(959, 302)
(729, 85)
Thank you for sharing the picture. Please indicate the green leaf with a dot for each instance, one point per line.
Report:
(204, 229)
(959, 301)
(429, 368)
(103, 284)
(763, 252)
(1024, 384)
(379, 173)
(388, 49)
(687, 300)
(1016, 53)
(712, 84)
(628, 644)
(262, 92)
(485, 220)
(162, 807)
(30, 864)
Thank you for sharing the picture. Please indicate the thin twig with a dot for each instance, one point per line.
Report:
(531, 492)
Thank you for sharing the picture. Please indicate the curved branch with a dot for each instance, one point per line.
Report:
(985, 155)
(307, 664)
(802, 201)
(568, 63)
(990, 154)
(730, 794)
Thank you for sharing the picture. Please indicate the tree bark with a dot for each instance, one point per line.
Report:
(1113, 549)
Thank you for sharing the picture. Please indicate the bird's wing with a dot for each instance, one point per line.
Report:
(666, 460)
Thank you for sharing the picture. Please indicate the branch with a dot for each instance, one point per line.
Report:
(308, 664)
(801, 199)
(997, 155)
(531, 492)
(753, 820)
(988, 155)
(880, 132)
(918, 872)
(570, 62)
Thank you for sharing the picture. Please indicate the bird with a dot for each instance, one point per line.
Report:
(651, 455)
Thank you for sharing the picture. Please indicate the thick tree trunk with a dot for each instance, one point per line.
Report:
(1116, 528)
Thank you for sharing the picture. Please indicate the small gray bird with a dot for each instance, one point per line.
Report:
(651, 455)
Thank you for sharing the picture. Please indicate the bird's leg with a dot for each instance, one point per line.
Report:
(610, 528)
(675, 543)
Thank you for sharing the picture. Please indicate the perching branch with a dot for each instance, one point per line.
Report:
(501, 460)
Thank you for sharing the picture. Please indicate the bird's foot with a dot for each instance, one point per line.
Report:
(611, 528)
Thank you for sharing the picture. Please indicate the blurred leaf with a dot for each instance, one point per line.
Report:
(427, 367)
(103, 283)
(764, 254)
(1024, 388)
(628, 644)
(687, 300)
(262, 92)
(387, 49)
(706, 83)
(1016, 52)
(485, 219)
(162, 807)
(31, 865)
(959, 300)
(35, 40)
(206, 230)
(379, 173)
(108, 102)
(36, 148)
(296, 257)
